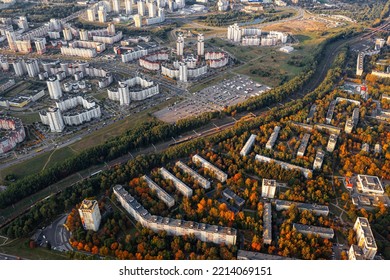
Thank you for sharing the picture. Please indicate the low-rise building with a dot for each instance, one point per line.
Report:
(229, 194)
(328, 128)
(286, 49)
(204, 232)
(203, 182)
(272, 139)
(303, 145)
(348, 126)
(248, 145)
(315, 208)
(331, 143)
(10, 83)
(365, 147)
(179, 185)
(312, 111)
(267, 224)
(369, 184)
(161, 194)
(218, 173)
(329, 114)
(320, 231)
(306, 172)
(319, 159)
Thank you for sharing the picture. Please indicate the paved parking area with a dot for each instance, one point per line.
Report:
(56, 235)
(213, 98)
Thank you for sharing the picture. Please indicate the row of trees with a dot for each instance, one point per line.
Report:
(228, 18)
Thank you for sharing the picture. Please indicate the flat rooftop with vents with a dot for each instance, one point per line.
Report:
(369, 184)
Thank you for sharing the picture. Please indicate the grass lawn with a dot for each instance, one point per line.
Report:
(267, 65)
(20, 248)
(118, 128)
(102, 135)
(26, 117)
(36, 164)
(3, 240)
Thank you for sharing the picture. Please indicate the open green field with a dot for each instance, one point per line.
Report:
(20, 248)
(37, 163)
(118, 128)
(26, 117)
(267, 65)
(98, 137)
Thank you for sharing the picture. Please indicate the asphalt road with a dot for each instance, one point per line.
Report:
(57, 235)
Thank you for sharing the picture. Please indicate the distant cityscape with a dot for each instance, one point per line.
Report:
(197, 130)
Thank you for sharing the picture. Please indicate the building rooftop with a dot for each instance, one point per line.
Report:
(302, 205)
(267, 223)
(197, 177)
(137, 207)
(288, 166)
(161, 193)
(313, 229)
(88, 204)
(231, 195)
(218, 172)
(269, 183)
(249, 255)
(369, 237)
(370, 183)
(248, 145)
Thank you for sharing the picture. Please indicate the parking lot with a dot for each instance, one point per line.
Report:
(56, 235)
(214, 98)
